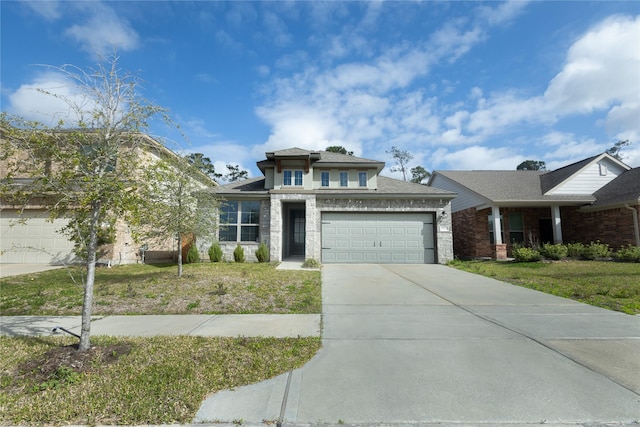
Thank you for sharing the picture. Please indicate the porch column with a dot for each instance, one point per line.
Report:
(497, 226)
(499, 248)
(557, 224)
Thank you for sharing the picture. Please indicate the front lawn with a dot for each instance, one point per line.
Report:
(160, 380)
(611, 285)
(133, 381)
(204, 288)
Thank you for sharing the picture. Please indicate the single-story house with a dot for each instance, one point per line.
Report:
(28, 235)
(597, 198)
(334, 208)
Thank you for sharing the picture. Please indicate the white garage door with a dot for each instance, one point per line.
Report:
(35, 241)
(378, 238)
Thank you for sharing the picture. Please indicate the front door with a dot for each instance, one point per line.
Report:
(296, 232)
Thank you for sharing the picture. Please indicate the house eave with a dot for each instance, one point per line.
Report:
(606, 206)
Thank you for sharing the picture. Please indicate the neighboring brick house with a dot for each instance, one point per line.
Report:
(29, 236)
(334, 208)
(595, 199)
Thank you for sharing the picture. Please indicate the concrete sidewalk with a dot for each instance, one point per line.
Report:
(431, 345)
(233, 325)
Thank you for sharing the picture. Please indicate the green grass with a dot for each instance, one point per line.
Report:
(611, 285)
(160, 380)
(204, 288)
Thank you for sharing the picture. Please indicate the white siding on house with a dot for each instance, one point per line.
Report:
(466, 199)
(590, 179)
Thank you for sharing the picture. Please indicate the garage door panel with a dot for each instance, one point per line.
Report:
(35, 240)
(378, 237)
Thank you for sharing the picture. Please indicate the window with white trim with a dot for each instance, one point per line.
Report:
(239, 221)
(292, 178)
(344, 179)
(324, 179)
(362, 179)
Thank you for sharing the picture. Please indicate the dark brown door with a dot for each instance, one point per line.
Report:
(296, 232)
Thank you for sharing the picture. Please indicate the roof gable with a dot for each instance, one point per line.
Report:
(583, 177)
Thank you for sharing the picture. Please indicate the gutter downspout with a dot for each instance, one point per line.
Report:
(636, 229)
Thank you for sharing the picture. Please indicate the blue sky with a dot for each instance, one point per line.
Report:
(460, 85)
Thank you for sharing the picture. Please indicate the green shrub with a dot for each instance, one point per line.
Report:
(574, 250)
(262, 253)
(215, 253)
(526, 255)
(556, 252)
(628, 254)
(193, 255)
(595, 250)
(310, 263)
(238, 254)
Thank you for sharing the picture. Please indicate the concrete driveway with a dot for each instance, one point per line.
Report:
(431, 344)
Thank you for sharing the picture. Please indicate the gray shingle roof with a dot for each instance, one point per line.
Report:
(624, 189)
(386, 187)
(319, 158)
(506, 186)
(551, 179)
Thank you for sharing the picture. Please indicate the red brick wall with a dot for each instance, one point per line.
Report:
(613, 226)
(471, 234)
(471, 228)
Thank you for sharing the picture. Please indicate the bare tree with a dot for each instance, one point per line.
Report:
(402, 159)
(83, 169)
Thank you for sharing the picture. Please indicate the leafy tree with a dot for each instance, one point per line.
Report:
(175, 203)
(84, 169)
(235, 173)
(204, 164)
(419, 174)
(339, 149)
(402, 159)
(532, 165)
(617, 148)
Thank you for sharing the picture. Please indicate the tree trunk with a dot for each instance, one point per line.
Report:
(85, 340)
(179, 255)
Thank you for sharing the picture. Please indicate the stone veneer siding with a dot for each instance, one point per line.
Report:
(443, 234)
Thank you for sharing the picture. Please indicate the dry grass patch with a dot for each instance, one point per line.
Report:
(204, 288)
(162, 380)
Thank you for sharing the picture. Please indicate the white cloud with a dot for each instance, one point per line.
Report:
(601, 70)
(43, 99)
(478, 158)
(103, 31)
(48, 9)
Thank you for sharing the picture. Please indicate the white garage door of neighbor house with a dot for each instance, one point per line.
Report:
(34, 241)
(378, 238)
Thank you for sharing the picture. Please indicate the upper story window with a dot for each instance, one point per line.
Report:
(362, 179)
(344, 179)
(324, 179)
(292, 177)
(239, 221)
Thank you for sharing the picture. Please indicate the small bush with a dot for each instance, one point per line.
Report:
(628, 254)
(556, 252)
(526, 255)
(595, 250)
(574, 250)
(310, 263)
(262, 253)
(215, 253)
(193, 255)
(238, 254)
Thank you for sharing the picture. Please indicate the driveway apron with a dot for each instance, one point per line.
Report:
(431, 344)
